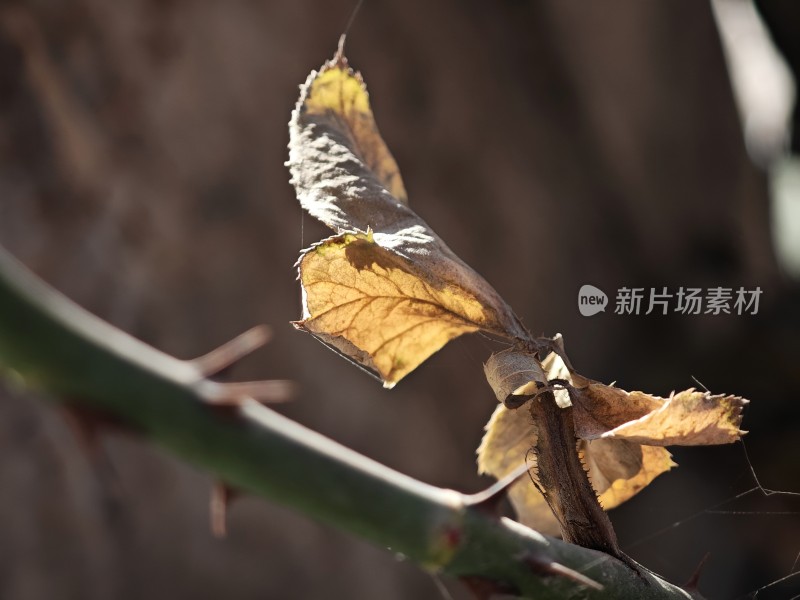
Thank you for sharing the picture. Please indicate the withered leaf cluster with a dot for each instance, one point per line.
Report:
(621, 435)
(387, 292)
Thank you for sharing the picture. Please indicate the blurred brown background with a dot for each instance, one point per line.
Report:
(551, 143)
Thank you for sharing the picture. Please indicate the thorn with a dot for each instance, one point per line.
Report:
(483, 588)
(691, 585)
(87, 426)
(489, 499)
(85, 430)
(268, 391)
(548, 567)
(226, 355)
(221, 497)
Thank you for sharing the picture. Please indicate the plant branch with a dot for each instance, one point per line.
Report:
(56, 346)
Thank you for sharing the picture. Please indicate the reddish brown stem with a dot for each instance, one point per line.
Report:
(563, 481)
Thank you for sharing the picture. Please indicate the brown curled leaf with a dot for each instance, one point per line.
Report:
(517, 372)
(688, 418)
(387, 262)
(621, 434)
(617, 469)
(513, 372)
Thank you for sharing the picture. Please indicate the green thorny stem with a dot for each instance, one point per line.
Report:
(50, 343)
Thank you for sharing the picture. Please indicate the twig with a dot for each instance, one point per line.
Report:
(56, 346)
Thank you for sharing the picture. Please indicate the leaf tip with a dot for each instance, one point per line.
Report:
(339, 59)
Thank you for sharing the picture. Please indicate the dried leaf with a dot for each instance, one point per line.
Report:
(389, 293)
(342, 171)
(340, 95)
(622, 433)
(370, 304)
(510, 434)
(513, 373)
(619, 469)
(688, 418)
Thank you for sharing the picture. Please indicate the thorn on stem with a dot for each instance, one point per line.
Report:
(233, 351)
(221, 497)
(87, 426)
(489, 499)
(269, 391)
(694, 580)
(84, 428)
(215, 362)
(547, 567)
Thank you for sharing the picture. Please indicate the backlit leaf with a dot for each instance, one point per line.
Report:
(688, 418)
(621, 433)
(387, 292)
(342, 171)
(371, 304)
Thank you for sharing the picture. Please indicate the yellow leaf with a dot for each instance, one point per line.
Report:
(338, 94)
(342, 170)
(688, 418)
(388, 292)
(376, 307)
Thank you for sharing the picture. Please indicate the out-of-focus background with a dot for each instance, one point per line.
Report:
(552, 143)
